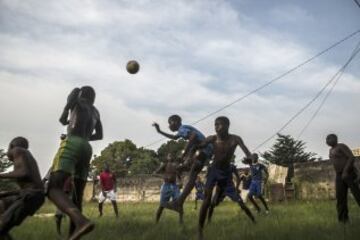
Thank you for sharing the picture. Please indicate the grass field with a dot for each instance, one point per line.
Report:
(295, 220)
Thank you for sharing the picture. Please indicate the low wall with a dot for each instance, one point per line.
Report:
(316, 180)
(147, 187)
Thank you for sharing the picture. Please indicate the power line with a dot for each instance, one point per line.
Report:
(358, 3)
(324, 100)
(267, 83)
(355, 52)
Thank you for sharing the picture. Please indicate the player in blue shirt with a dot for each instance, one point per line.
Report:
(193, 160)
(231, 191)
(257, 170)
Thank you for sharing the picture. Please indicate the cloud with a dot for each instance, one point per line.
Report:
(195, 56)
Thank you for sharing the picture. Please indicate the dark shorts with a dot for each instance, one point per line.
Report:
(169, 191)
(73, 157)
(199, 196)
(25, 204)
(217, 177)
(255, 188)
(231, 192)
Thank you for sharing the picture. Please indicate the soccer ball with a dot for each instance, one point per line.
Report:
(132, 67)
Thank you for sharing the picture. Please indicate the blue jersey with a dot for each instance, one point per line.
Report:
(199, 186)
(256, 171)
(185, 130)
(184, 133)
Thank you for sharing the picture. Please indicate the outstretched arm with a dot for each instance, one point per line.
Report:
(20, 170)
(171, 136)
(160, 168)
(71, 102)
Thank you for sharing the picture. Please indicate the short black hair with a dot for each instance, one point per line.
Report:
(19, 142)
(332, 135)
(224, 120)
(88, 93)
(175, 118)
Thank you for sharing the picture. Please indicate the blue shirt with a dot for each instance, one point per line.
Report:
(199, 186)
(185, 131)
(256, 171)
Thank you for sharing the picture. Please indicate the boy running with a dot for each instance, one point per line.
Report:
(219, 173)
(257, 170)
(169, 189)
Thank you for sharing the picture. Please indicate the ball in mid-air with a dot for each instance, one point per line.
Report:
(132, 67)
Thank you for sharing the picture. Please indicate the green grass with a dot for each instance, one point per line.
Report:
(295, 220)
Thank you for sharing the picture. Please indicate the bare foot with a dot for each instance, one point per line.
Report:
(82, 230)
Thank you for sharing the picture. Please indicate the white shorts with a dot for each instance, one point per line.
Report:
(111, 195)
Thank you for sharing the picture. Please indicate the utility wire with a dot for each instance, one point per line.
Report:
(356, 51)
(358, 3)
(268, 83)
(324, 100)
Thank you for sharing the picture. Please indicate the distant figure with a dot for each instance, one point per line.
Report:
(199, 187)
(343, 161)
(108, 190)
(73, 157)
(220, 171)
(16, 205)
(257, 170)
(245, 179)
(193, 160)
(231, 191)
(169, 189)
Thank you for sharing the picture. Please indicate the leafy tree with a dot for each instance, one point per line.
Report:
(174, 147)
(117, 155)
(286, 151)
(144, 161)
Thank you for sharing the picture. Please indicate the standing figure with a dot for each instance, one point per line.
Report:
(257, 170)
(193, 160)
(108, 190)
(169, 189)
(231, 191)
(16, 205)
(199, 187)
(220, 171)
(73, 157)
(346, 176)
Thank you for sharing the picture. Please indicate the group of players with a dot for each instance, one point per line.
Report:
(71, 163)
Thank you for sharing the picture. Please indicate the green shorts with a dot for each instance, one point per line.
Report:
(73, 157)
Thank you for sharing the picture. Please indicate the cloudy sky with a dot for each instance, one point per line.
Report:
(196, 56)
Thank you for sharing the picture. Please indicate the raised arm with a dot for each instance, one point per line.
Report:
(71, 102)
(171, 136)
(20, 170)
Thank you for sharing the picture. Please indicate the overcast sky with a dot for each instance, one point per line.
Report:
(195, 55)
